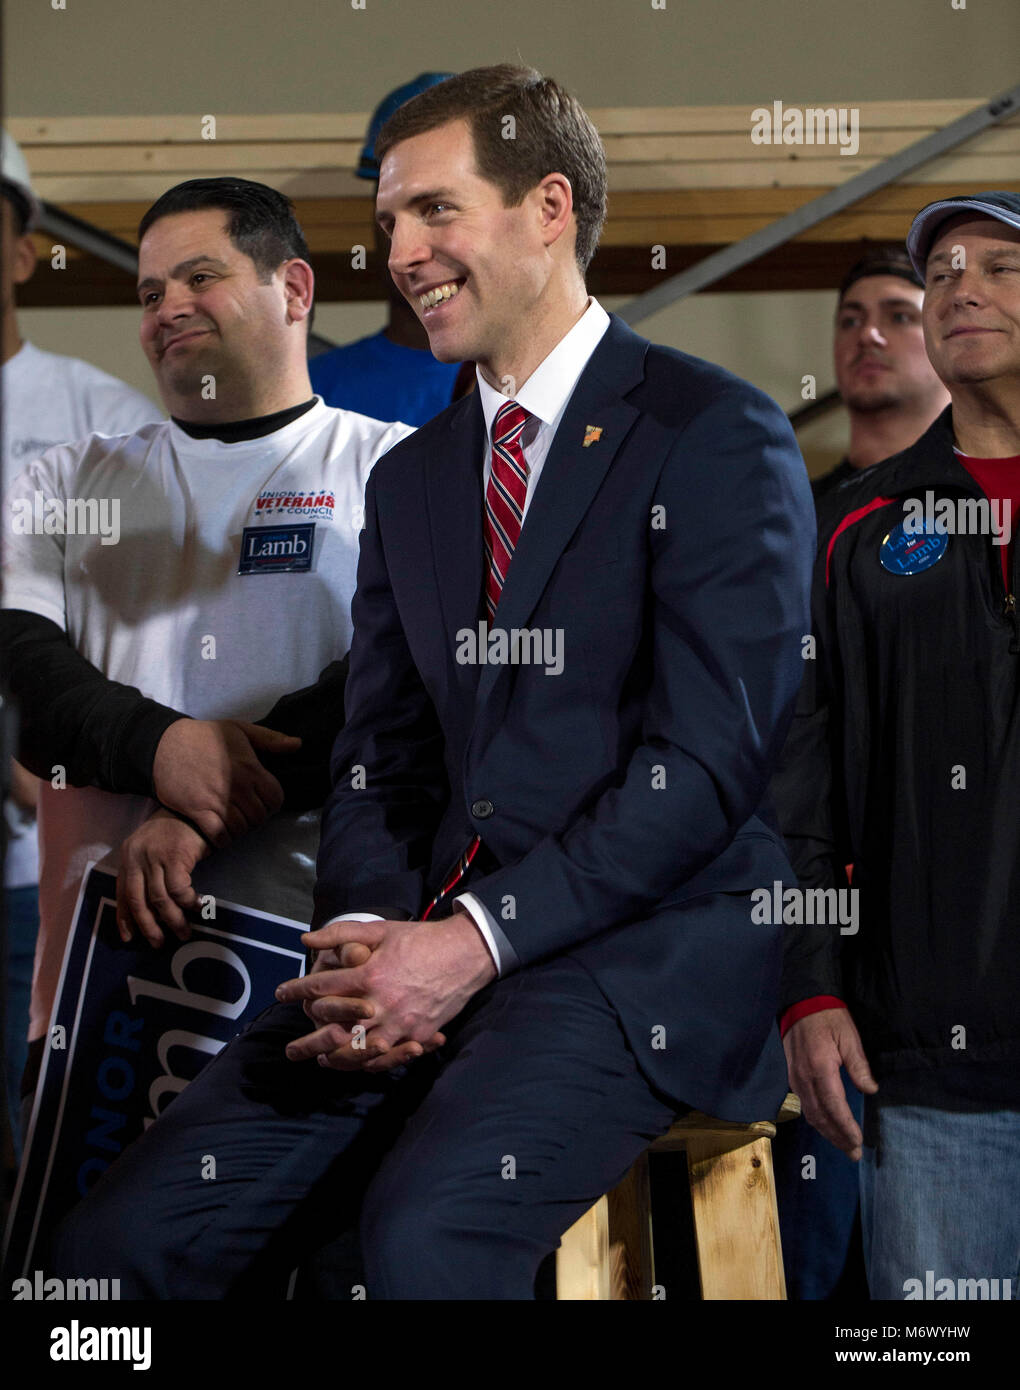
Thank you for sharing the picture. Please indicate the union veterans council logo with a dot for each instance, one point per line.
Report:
(277, 549)
(902, 553)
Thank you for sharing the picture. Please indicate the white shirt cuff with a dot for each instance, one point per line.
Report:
(502, 952)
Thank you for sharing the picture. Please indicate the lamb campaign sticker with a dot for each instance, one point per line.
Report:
(903, 553)
(277, 549)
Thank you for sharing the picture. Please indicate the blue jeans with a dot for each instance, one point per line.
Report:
(938, 1194)
(22, 908)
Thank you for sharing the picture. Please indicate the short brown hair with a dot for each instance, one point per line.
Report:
(551, 134)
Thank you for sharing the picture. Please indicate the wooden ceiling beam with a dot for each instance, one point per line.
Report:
(687, 179)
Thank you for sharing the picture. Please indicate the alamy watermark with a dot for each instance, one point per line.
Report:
(42, 1289)
(515, 646)
(78, 1343)
(40, 515)
(958, 516)
(812, 125)
(932, 1289)
(827, 907)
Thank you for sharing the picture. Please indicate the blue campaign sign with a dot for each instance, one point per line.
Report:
(130, 1028)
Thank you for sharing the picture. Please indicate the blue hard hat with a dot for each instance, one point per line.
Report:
(368, 166)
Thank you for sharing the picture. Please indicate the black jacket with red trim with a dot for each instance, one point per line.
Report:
(904, 761)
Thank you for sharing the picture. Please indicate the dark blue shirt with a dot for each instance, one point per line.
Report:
(384, 380)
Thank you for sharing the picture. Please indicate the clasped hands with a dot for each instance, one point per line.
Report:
(396, 983)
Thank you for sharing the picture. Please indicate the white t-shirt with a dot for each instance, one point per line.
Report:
(154, 598)
(48, 399)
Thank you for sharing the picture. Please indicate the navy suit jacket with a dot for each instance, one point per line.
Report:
(673, 554)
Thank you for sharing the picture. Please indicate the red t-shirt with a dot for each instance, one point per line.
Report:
(999, 480)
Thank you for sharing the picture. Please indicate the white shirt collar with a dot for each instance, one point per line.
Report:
(549, 387)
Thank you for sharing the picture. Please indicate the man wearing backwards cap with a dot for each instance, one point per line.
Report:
(885, 379)
(907, 721)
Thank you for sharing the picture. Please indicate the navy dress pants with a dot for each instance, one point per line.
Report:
(463, 1170)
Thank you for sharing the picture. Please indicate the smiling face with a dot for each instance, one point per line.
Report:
(878, 346)
(972, 301)
(481, 277)
(206, 313)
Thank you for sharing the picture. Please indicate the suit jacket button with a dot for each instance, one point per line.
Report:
(482, 809)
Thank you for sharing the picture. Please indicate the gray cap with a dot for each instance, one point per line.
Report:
(1003, 206)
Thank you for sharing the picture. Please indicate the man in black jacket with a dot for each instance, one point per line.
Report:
(891, 395)
(904, 761)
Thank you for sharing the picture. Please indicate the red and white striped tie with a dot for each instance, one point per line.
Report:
(504, 515)
(504, 499)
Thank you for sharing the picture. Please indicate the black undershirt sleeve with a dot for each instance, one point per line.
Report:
(102, 733)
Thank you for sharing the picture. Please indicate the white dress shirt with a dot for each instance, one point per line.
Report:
(545, 396)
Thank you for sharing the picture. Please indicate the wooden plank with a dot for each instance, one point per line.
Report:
(705, 150)
(877, 115)
(683, 207)
(640, 220)
(774, 202)
(631, 1264)
(991, 171)
(197, 158)
(582, 1260)
(31, 131)
(736, 1223)
(205, 156)
(70, 188)
(873, 145)
(698, 1126)
(790, 1109)
(667, 231)
(711, 180)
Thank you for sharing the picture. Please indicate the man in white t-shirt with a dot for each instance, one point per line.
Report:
(203, 566)
(47, 399)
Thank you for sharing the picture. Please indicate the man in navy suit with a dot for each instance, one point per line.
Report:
(578, 627)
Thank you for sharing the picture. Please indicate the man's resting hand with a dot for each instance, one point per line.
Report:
(154, 881)
(816, 1047)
